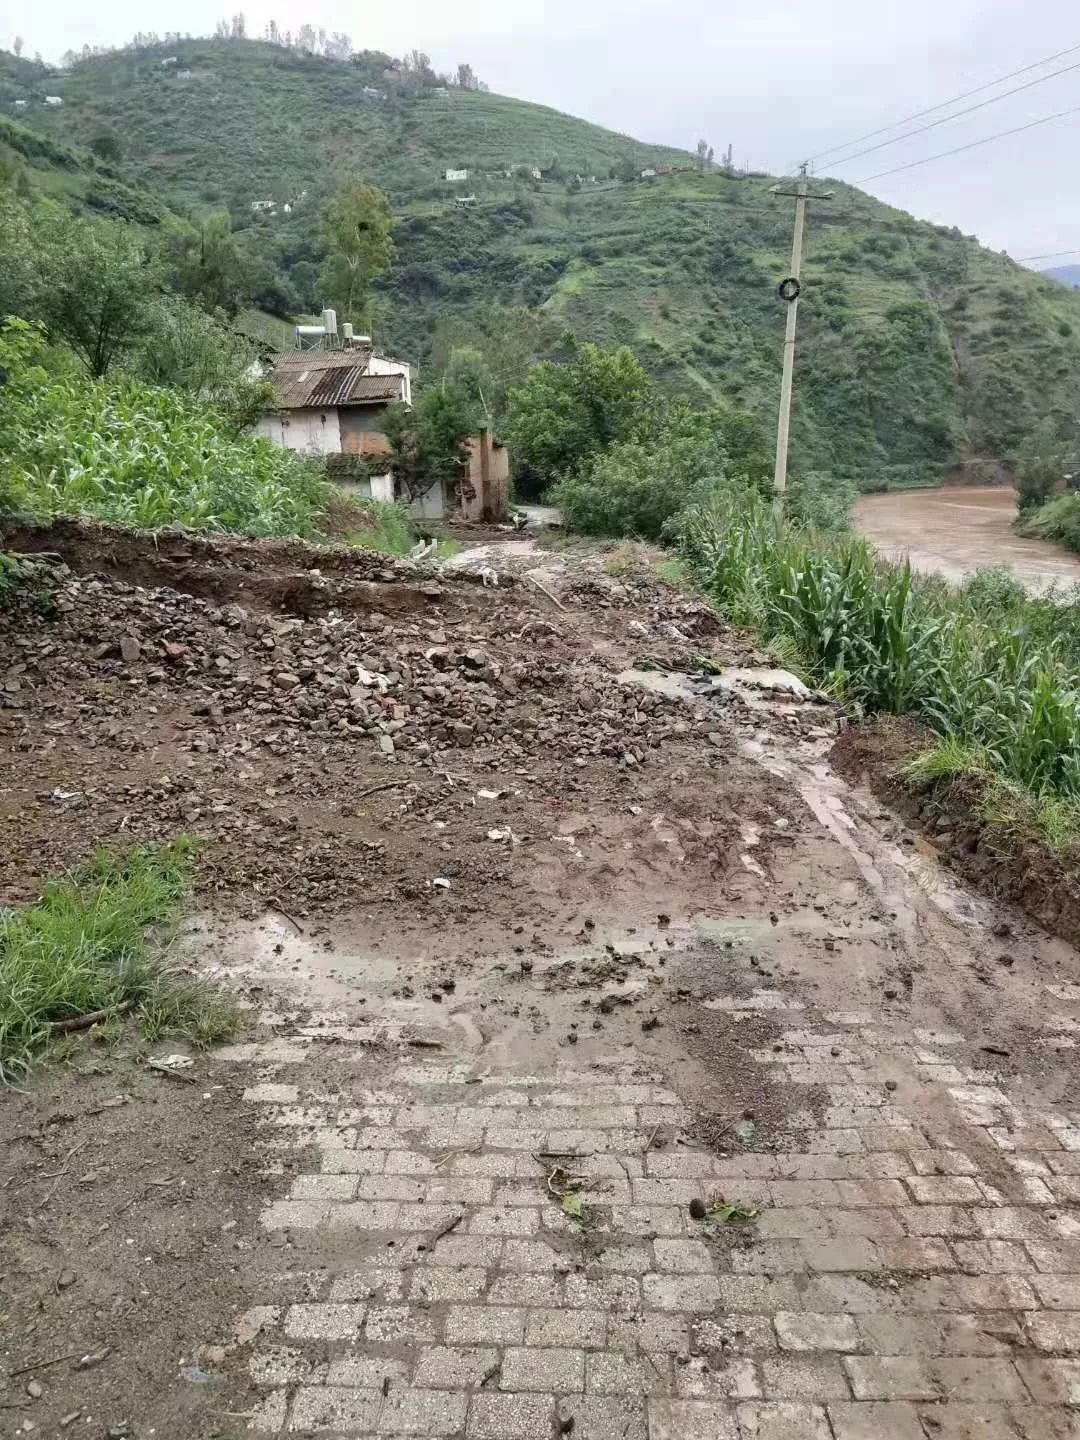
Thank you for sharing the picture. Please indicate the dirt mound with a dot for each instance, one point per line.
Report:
(1013, 866)
(331, 756)
(286, 575)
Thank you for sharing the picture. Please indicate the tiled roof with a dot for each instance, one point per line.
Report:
(311, 379)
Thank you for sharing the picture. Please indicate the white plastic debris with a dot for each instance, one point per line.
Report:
(370, 677)
(441, 883)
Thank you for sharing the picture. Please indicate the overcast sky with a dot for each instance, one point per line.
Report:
(777, 79)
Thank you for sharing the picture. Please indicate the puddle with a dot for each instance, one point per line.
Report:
(764, 689)
(488, 552)
(672, 684)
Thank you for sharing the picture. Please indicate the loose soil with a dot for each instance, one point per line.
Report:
(128, 1212)
(497, 802)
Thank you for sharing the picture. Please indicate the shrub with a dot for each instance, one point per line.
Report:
(1039, 466)
(639, 488)
(823, 502)
(566, 413)
(1058, 519)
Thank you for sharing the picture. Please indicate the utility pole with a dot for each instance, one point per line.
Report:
(789, 290)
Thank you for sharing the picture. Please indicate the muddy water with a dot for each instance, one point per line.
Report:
(956, 531)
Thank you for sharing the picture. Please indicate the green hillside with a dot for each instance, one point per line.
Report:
(918, 348)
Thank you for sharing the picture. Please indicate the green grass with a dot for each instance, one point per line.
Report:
(385, 526)
(88, 945)
(1058, 519)
(1012, 814)
(674, 572)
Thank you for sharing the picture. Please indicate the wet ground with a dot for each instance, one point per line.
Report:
(710, 1108)
(956, 531)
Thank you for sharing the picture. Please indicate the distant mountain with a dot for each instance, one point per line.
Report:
(1066, 275)
(917, 347)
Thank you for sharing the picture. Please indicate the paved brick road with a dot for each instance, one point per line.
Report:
(914, 1271)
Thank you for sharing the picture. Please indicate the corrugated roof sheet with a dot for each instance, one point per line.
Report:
(311, 379)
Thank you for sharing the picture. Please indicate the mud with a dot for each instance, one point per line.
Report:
(676, 917)
(128, 1228)
(955, 531)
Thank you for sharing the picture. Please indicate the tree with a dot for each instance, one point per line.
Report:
(106, 146)
(427, 443)
(703, 153)
(417, 68)
(239, 26)
(468, 371)
(360, 248)
(466, 78)
(192, 351)
(18, 46)
(564, 413)
(489, 350)
(19, 280)
(209, 264)
(98, 285)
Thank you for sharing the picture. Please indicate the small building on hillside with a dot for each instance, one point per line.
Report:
(330, 403)
(456, 175)
(54, 100)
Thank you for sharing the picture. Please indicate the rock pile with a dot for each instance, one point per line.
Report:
(231, 679)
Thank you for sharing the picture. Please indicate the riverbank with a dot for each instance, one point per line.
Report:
(960, 529)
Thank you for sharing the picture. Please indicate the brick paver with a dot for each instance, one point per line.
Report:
(913, 1271)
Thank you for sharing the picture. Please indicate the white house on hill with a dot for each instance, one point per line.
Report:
(329, 403)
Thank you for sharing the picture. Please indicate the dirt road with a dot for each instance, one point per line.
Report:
(956, 531)
(620, 1070)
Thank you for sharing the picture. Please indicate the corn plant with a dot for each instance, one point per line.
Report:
(136, 455)
(983, 666)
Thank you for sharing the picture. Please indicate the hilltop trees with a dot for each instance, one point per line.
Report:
(360, 248)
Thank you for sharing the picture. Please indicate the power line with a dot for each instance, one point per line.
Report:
(971, 145)
(980, 105)
(1053, 255)
(955, 100)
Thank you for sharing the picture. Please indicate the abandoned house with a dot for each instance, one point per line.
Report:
(330, 404)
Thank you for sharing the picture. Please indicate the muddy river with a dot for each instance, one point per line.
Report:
(953, 532)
